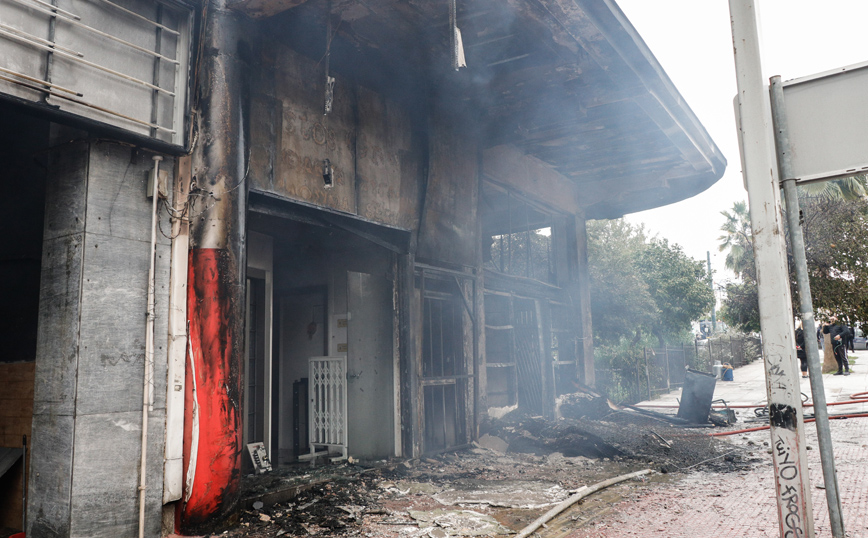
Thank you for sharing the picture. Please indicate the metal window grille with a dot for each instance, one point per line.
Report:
(120, 62)
(445, 369)
(520, 235)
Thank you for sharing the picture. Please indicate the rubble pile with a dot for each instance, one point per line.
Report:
(330, 508)
(521, 465)
(590, 427)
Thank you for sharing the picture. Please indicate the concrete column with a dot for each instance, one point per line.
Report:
(87, 421)
(407, 344)
(582, 302)
(216, 280)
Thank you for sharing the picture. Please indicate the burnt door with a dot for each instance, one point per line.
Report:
(444, 365)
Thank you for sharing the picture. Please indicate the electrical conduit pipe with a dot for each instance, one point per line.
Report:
(148, 381)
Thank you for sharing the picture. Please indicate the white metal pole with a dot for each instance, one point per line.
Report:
(792, 487)
(800, 265)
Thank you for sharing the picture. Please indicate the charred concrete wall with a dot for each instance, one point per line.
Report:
(447, 231)
(398, 167)
(369, 140)
(402, 163)
(91, 347)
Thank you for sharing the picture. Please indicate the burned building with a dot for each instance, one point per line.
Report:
(336, 228)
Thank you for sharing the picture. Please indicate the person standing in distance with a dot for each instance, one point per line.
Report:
(838, 333)
(800, 350)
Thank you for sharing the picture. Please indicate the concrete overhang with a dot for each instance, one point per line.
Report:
(569, 83)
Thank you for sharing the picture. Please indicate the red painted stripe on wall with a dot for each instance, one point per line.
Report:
(218, 390)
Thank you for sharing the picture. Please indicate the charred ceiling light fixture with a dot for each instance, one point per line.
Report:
(458, 60)
(328, 174)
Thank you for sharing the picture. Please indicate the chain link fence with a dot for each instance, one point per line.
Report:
(656, 371)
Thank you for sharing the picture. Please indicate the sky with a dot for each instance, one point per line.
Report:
(692, 40)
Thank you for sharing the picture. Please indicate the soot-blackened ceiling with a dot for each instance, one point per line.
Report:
(567, 81)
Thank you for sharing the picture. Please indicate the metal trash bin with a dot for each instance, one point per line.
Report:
(696, 396)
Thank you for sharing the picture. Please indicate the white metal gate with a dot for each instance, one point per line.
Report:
(327, 409)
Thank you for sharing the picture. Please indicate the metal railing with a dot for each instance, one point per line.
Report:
(655, 371)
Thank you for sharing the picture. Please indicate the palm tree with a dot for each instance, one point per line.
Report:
(848, 188)
(737, 239)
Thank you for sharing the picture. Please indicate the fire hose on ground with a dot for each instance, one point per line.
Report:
(759, 428)
(855, 398)
(583, 492)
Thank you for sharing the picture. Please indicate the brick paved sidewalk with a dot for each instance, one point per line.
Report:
(742, 504)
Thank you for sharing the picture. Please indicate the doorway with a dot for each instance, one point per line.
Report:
(334, 288)
(23, 142)
(258, 363)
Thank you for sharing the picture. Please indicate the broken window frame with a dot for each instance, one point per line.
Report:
(522, 328)
(563, 347)
(518, 226)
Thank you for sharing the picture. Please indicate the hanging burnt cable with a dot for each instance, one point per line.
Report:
(328, 102)
(174, 214)
(199, 194)
(329, 80)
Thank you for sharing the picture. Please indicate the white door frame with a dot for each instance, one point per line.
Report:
(260, 264)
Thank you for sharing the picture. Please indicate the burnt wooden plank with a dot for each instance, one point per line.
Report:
(533, 177)
(307, 137)
(384, 149)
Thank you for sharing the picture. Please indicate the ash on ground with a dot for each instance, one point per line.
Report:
(521, 466)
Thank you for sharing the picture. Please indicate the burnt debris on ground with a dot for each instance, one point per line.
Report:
(595, 429)
(520, 467)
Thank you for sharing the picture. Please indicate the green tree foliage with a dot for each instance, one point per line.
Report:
(834, 217)
(846, 189)
(836, 234)
(642, 286)
(740, 307)
(678, 285)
